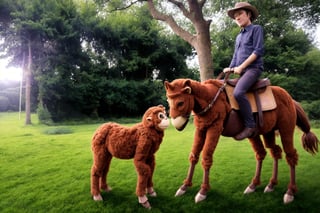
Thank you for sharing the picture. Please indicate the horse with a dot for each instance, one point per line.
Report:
(210, 106)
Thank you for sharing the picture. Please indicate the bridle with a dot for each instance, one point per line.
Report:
(218, 93)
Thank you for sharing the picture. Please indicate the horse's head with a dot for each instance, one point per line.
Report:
(181, 101)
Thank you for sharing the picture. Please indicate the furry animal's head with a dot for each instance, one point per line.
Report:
(181, 101)
(156, 117)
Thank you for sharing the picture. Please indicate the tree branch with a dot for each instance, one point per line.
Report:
(201, 3)
(126, 6)
(185, 35)
(182, 8)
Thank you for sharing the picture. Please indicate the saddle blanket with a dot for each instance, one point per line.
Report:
(266, 99)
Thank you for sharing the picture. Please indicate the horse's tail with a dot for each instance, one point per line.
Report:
(309, 139)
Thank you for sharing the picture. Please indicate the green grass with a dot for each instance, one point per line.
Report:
(41, 172)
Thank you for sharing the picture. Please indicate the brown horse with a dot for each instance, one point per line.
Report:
(210, 105)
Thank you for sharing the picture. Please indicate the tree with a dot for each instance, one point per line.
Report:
(22, 34)
(200, 40)
(197, 32)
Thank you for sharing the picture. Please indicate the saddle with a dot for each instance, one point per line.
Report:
(259, 95)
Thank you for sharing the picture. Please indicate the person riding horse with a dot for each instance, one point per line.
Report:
(247, 61)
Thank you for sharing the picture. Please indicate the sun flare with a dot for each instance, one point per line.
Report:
(9, 73)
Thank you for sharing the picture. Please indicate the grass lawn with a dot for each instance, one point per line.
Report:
(43, 171)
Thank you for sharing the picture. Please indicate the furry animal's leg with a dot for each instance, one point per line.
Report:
(193, 158)
(144, 173)
(143, 200)
(95, 192)
(143, 177)
(256, 179)
(151, 192)
(274, 179)
(292, 160)
(211, 141)
(188, 181)
(150, 189)
(103, 179)
(276, 155)
(202, 194)
(98, 169)
(260, 151)
(292, 188)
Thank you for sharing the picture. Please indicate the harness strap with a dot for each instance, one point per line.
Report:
(218, 93)
(259, 108)
(213, 101)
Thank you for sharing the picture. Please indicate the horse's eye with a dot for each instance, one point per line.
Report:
(180, 104)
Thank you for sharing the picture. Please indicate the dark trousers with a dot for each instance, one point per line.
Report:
(246, 80)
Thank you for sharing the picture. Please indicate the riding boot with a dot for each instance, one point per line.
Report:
(246, 133)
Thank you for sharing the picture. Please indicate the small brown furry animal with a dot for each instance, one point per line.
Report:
(139, 142)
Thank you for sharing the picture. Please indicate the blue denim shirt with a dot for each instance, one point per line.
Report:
(248, 41)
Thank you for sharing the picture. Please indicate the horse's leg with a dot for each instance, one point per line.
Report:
(275, 151)
(211, 141)
(292, 160)
(260, 152)
(193, 158)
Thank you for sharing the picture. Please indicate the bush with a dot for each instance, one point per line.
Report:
(44, 115)
(312, 109)
(131, 98)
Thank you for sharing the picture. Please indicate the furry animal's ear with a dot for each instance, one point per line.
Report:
(160, 105)
(148, 122)
(187, 89)
(168, 85)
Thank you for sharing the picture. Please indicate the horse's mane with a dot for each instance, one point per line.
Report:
(216, 82)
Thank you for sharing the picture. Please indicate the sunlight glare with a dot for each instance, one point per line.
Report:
(9, 73)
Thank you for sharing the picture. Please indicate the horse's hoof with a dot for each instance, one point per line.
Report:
(199, 197)
(287, 198)
(180, 192)
(143, 200)
(268, 189)
(146, 205)
(97, 198)
(107, 189)
(249, 190)
(152, 194)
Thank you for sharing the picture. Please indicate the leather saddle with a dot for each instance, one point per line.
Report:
(261, 99)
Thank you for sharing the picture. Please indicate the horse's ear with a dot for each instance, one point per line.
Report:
(187, 87)
(187, 90)
(168, 85)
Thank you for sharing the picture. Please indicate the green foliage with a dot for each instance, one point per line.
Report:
(10, 96)
(312, 109)
(44, 115)
(123, 98)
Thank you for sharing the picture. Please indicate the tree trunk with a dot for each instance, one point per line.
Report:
(28, 86)
(201, 41)
(203, 48)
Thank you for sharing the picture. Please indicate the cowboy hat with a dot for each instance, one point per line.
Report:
(244, 6)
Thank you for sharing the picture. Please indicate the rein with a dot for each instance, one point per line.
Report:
(218, 93)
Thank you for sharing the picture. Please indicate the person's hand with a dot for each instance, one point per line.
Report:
(238, 70)
(227, 69)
